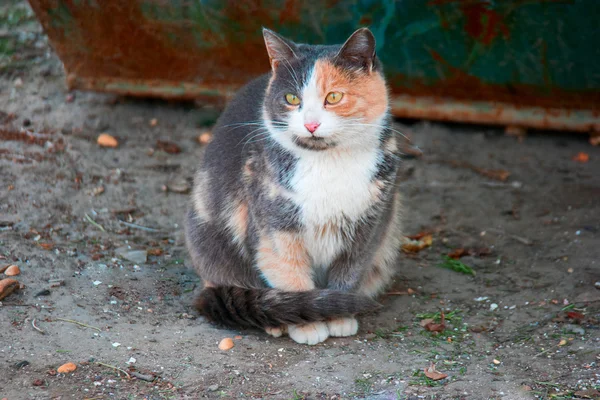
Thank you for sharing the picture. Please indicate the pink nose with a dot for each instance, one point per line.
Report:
(312, 126)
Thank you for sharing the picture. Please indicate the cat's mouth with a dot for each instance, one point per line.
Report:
(313, 143)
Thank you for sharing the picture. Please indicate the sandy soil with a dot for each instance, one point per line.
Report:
(524, 326)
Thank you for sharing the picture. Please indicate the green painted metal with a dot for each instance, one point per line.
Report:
(518, 53)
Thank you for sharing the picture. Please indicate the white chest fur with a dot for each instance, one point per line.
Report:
(332, 190)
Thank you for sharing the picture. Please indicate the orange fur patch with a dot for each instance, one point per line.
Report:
(239, 222)
(284, 262)
(365, 94)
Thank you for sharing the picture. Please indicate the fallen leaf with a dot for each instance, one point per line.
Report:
(226, 344)
(168, 147)
(12, 270)
(581, 157)
(414, 246)
(155, 252)
(418, 235)
(66, 368)
(575, 315)
(458, 253)
(431, 326)
(7, 286)
(562, 342)
(588, 394)
(434, 374)
(106, 140)
(47, 246)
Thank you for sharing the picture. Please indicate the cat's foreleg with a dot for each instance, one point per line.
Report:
(284, 264)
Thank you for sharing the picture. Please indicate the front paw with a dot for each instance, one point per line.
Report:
(342, 327)
(275, 331)
(313, 333)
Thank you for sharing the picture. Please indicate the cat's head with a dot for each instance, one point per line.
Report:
(323, 97)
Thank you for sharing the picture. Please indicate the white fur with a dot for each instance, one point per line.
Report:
(330, 186)
(313, 333)
(342, 327)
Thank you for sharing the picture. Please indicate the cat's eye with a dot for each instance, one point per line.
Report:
(292, 99)
(334, 97)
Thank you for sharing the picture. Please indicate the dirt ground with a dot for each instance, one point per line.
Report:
(524, 326)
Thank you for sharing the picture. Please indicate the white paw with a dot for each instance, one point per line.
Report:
(275, 332)
(313, 333)
(343, 327)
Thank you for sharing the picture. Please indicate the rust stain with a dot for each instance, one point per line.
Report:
(117, 40)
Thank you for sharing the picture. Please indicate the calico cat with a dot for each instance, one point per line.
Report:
(294, 220)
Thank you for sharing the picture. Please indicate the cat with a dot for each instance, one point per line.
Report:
(294, 222)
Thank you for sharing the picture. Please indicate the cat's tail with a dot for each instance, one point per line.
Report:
(268, 308)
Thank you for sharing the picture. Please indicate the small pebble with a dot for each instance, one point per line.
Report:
(493, 306)
(38, 382)
(96, 283)
(12, 270)
(131, 360)
(18, 83)
(497, 362)
(153, 122)
(66, 368)
(116, 344)
(213, 388)
(44, 292)
(597, 285)
(26, 122)
(226, 344)
(70, 97)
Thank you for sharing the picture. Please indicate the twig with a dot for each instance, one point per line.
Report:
(543, 352)
(36, 328)
(113, 367)
(396, 293)
(78, 323)
(147, 378)
(521, 239)
(136, 226)
(97, 225)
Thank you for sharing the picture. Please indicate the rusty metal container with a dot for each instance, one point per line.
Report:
(529, 63)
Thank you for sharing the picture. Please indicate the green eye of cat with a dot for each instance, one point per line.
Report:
(334, 97)
(292, 99)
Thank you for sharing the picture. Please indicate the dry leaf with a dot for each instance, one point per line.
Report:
(226, 344)
(66, 368)
(155, 252)
(433, 373)
(575, 315)
(106, 140)
(588, 394)
(562, 342)
(47, 246)
(12, 270)
(414, 246)
(168, 147)
(458, 253)
(7, 286)
(431, 326)
(581, 157)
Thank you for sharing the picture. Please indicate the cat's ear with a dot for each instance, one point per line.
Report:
(359, 49)
(279, 48)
